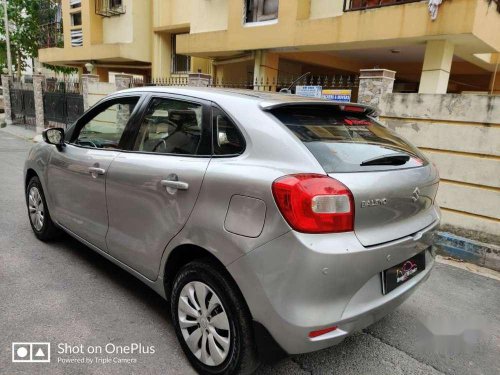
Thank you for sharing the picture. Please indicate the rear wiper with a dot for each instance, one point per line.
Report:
(391, 159)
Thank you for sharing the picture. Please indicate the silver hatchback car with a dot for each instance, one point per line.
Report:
(273, 224)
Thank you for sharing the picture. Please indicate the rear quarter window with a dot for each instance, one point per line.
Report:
(348, 141)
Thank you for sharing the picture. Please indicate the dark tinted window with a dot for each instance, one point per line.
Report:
(345, 141)
(227, 139)
(171, 127)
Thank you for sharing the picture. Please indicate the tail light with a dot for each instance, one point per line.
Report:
(314, 203)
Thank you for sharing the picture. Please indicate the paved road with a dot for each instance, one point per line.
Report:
(65, 293)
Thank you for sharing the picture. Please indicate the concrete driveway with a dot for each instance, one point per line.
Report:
(65, 294)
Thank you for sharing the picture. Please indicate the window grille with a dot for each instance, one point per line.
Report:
(76, 38)
(180, 63)
(109, 8)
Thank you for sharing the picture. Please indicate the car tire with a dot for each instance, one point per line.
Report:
(228, 351)
(38, 212)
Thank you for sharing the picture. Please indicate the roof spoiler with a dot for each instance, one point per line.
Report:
(368, 110)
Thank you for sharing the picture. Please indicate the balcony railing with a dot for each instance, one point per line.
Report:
(50, 21)
(51, 35)
(350, 5)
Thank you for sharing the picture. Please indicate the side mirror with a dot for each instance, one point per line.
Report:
(54, 136)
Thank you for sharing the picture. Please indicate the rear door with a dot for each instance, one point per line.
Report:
(152, 189)
(392, 183)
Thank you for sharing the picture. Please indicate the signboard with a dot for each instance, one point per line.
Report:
(308, 91)
(337, 95)
(329, 94)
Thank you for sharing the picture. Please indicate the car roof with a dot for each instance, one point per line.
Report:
(265, 99)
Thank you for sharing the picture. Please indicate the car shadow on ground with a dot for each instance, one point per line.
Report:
(119, 278)
(361, 347)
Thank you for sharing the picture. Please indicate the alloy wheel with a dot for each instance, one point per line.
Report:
(204, 323)
(36, 208)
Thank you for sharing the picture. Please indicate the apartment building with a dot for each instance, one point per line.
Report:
(112, 35)
(455, 52)
(456, 49)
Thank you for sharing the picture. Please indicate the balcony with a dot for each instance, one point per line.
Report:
(51, 35)
(352, 5)
(50, 21)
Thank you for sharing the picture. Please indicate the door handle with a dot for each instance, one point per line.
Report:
(179, 185)
(95, 171)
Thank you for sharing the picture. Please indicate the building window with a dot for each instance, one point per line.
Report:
(261, 10)
(180, 63)
(76, 19)
(75, 3)
(109, 8)
(365, 4)
(76, 38)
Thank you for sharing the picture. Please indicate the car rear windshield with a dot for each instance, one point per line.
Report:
(348, 140)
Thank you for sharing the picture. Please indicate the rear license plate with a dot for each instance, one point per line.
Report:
(401, 273)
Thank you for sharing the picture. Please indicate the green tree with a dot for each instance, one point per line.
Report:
(24, 29)
(28, 26)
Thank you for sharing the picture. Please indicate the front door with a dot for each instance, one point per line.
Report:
(152, 189)
(77, 172)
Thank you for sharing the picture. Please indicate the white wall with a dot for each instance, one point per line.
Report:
(98, 91)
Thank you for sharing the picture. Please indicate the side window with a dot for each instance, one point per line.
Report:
(227, 138)
(171, 127)
(105, 129)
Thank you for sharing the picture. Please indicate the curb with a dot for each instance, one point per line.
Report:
(482, 254)
(22, 134)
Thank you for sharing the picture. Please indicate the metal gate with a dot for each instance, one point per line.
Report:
(62, 101)
(22, 101)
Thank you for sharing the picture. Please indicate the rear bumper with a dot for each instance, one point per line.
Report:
(300, 283)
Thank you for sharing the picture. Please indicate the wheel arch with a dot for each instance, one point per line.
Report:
(30, 173)
(269, 351)
(185, 253)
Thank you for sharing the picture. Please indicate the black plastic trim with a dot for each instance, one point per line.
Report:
(216, 107)
(268, 349)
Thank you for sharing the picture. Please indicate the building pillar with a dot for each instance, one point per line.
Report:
(86, 80)
(265, 72)
(6, 80)
(38, 80)
(123, 81)
(162, 56)
(374, 84)
(437, 66)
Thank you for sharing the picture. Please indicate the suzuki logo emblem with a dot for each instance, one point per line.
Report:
(415, 195)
